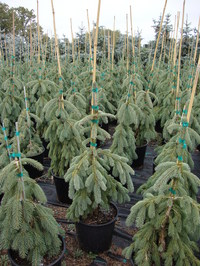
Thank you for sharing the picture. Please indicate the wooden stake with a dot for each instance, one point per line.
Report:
(90, 41)
(72, 41)
(31, 49)
(38, 29)
(180, 47)
(158, 36)
(173, 40)
(13, 33)
(113, 46)
(56, 40)
(133, 47)
(178, 17)
(197, 40)
(95, 42)
(108, 47)
(127, 62)
(163, 37)
(193, 90)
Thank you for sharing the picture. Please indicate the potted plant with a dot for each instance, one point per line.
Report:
(27, 228)
(65, 140)
(168, 216)
(93, 189)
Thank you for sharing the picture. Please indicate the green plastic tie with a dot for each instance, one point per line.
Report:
(95, 107)
(178, 112)
(17, 133)
(73, 90)
(131, 83)
(3, 128)
(173, 87)
(129, 94)
(178, 98)
(20, 175)
(184, 146)
(26, 99)
(185, 111)
(9, 146)
(172, 191)
(60, 79)
(95, 121)
(181, 141)
(185, 124)
(95, 90)
(190, 77)
(27, 109)
(40, 77)
(60, 91)
(93, 144)
(6, 138)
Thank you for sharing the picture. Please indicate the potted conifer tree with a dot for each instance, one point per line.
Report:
(27, 228)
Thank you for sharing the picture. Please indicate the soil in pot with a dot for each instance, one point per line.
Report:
(54, 261)
(33, 172)
(95, 233)
(140, 151)
(62, 189)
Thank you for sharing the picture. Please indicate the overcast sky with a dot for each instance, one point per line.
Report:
(143, 12)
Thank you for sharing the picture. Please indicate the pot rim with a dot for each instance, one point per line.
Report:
(51, 264)
(146, 143)
(104, 224)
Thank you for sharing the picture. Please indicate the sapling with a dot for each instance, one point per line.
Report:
(27, 226)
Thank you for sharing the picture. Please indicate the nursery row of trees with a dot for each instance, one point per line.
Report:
(25, 19)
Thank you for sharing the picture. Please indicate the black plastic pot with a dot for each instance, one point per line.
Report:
(158, 127)
(198, 147)
(45, 143)
(96, 238)
(105, 126)
(1, 197)
(62, 189)
(140, 151)
(33, 172)
(57, 262)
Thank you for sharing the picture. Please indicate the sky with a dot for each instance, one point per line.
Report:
(143, 13)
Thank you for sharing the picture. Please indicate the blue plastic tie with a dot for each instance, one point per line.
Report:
(93, 144)
(185, 111)
(17, 133)
(95, 121)
(60, 91)
(185, 124)
(20, 175)
(184, 146)
(95, 107)
(181, 141)
(172, 191)
(95, 90)
(3, 128)
(18, 155)
(180, 158)
(60, 79)
(129, 95)
(26, 99)
(27, 109)
(178, 112)
(6, 138)
(9, 146)
(178, 98)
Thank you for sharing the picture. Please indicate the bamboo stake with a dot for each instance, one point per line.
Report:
(173, 40)
(68, 48)
(90, 41)
(180, 47)
(108, 46)
(193, 90)
(113, 47)
(23, 196)
(158, 36)
(131, 21)
(163, 37)
(72, 41)
(127, 62)
(178, 17)
(38, 29)
(190, 49)
(13, 33)
(31, 49)
(197, 40)
(56, 40)
(95, 42)
(6, 48)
